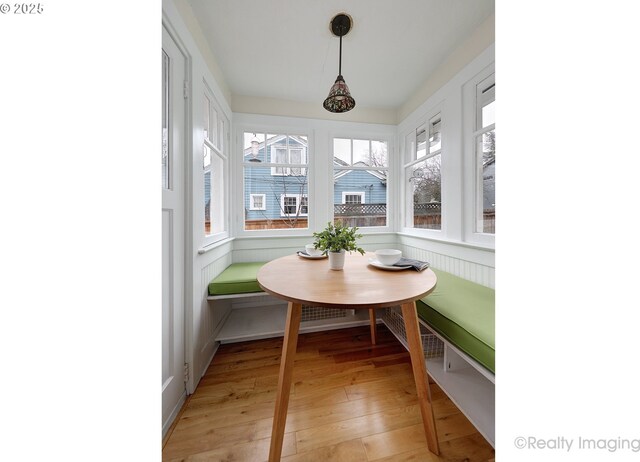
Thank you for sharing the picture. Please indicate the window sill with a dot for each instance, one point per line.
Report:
(214, 245)
(468, 245)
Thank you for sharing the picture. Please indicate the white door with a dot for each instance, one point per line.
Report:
(173, 232)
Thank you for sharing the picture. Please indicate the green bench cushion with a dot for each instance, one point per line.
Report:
(463, 312)
(238, 278)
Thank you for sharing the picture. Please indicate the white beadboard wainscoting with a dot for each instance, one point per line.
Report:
(209, 317)
(270, 248)
(468, 262)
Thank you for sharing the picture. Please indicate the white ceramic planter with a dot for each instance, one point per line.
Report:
(336, 260)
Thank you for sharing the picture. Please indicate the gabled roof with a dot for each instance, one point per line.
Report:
(377, 173)
(276, 139)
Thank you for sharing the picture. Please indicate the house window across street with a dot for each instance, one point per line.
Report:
(353, 198)
(293, 205)
(258, 202)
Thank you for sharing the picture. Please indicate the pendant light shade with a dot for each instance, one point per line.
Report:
(340, 99)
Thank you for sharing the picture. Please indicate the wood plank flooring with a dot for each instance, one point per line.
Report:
(350, 401)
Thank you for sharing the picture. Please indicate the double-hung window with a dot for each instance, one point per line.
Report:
(214, 165)
(360, 176)
(424, 173)
(485, 155)
(275, 178)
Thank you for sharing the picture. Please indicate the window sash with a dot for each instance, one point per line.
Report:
(258, 202)
(353, 194)
(294, 204)
(283, 160)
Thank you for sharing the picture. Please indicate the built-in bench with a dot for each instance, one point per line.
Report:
(241, 280)
(462, 315)
(237, 280)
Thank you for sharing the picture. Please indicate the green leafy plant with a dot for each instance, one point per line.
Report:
(335, 238)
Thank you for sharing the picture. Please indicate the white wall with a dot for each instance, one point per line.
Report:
(482, 38)
(202, 321)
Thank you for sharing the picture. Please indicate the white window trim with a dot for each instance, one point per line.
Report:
(221, 141)
(252, 205)
(470, 183)
(390, 170)
(298, 198)
(353, 193)
(411, 155)
(251, 123)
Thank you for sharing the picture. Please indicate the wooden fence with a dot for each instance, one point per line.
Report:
(426, 216)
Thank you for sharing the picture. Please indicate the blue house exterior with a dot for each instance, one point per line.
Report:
(280, 193)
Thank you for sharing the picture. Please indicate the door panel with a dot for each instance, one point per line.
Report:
(173, 232)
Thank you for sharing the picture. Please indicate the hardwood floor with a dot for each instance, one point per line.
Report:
(350, 401)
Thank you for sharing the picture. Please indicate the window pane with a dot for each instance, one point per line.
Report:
(489, 114)
(485, 96)
(485, 157)
(207, 112)
(213, 128)
(421, 142)
(213, 194)
(284, 199)
(206, 157)
(342, 150)
(254, 147)
(361, 152)
(425, 179)
(360, 197)
(165, 120)
(435, 135)
(206, 162)
(207, 202)
(379, 155)
(486, 215)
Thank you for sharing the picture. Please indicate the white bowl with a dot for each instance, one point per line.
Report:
(312, 251)
(388, 256)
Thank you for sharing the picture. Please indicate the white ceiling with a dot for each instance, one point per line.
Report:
(284, 49)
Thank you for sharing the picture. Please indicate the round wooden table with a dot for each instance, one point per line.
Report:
(359, 286)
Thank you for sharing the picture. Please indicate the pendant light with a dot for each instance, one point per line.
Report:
(339, 99)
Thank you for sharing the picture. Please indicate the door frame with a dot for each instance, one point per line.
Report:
(188, 212)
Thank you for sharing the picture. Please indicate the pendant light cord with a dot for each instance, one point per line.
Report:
(340, 61)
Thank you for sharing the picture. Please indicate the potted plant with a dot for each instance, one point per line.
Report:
(335, 240)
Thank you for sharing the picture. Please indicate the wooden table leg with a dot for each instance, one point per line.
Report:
(418, 364)
(294, 313)
(372, 321)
